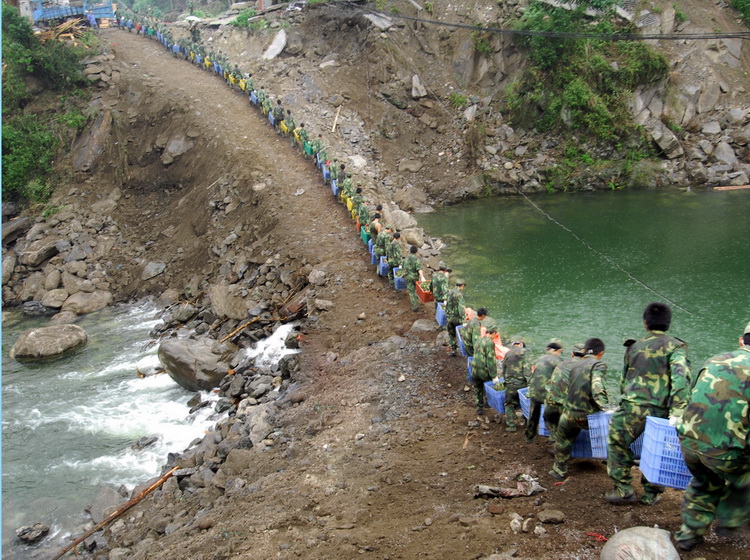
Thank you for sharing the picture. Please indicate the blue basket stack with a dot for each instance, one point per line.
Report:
(399, 281)
(460, 340)
(383, 268)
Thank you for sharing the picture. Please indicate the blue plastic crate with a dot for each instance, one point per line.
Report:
(383, 268)
(496, 399)
(271, 119)
(253, 98)
(440, 317)
(373, 258)
(326, 175)
(460, 340)
(661, 459)
(371, 247)
(525, 402)
(599, 428)
(582, 446)
(469, 371)
(542, 431)
(399, 281)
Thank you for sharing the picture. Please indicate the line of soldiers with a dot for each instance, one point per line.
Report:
(711, 410)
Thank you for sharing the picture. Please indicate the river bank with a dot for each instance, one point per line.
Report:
(378, 453)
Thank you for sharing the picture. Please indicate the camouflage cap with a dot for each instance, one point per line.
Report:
(492, 329)
(578, 348)
(459, 282)
(442, 265)
(628, 341)
(555, 341)
(516, 340)
(747, 329)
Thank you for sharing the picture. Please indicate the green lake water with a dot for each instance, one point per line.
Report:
(591, 271)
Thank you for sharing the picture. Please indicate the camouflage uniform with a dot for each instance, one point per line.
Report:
(587, 394)
(715, 436)
(410, 269)
(541, 372)
(654, 383)
(484, 368)
(473, 331)
(439, 286)
(278, 114)
(394, 256)
(557, 394)
(381, 243)
(455, 313)
(375, 226)
(515, 370)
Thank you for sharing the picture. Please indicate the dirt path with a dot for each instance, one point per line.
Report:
(380, 457)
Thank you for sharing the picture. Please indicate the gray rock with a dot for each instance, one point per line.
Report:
(276, 47)
(725, 154)
(9, 263)
(229, 300)
(323, 305)
(48, 342)
(32, 534)
(196, 365)
(551, 516)
(424, 325)
(317, 277)
(15, 228)
(120, 554)
(106, 501)
(153, 269)
(184, 312)
(417, 89)
(664, 138)
(82, 302)
(709, 96)
(39, 251)
(55, 298)
(711, 127)
(175, 147)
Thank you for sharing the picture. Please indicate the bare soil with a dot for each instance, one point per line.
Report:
(380, 458)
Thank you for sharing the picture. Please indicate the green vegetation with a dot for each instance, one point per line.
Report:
(30, 140)
(458, 100)
(482, 42)
(743, 7)
(581, 86)
(243, 17)
(679, 15)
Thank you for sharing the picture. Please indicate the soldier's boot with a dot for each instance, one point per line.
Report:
(649, 499)
(620, 496)
(557, 473)
(689, 544)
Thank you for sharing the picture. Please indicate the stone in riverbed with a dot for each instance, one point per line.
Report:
(48, 342)
(32, 534)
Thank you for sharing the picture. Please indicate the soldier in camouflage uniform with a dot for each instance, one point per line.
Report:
(412, 271)
(375, 227)
(541, 372)
(557, 390)
(473, 329)
(382, 242)
(587, 394)
(515, 370)
(455, 312)
(439, 284)
(715, 435)
(483, 367)
(654, 383)
(394, 256)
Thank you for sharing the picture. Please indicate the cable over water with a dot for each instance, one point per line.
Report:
(602, 255)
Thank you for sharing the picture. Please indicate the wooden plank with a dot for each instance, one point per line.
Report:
(733, 188)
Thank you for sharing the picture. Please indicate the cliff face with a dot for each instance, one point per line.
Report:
(389, 82)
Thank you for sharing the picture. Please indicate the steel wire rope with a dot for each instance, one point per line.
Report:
(555, 34)
(602, 255)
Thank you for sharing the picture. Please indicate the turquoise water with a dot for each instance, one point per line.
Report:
(620, 251)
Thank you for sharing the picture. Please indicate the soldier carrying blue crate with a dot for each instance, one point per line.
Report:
(515, 370)
(654, 383)
(715, 436)
(483, 367)
(541, 372)
(587, 394)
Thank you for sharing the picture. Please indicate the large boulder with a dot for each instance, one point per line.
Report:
(196, 365)
(48, 342)
(39, 251)
(229, 301)
(82, 302)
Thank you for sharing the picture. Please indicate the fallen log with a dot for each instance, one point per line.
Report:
(733, 188)
(115, 514)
